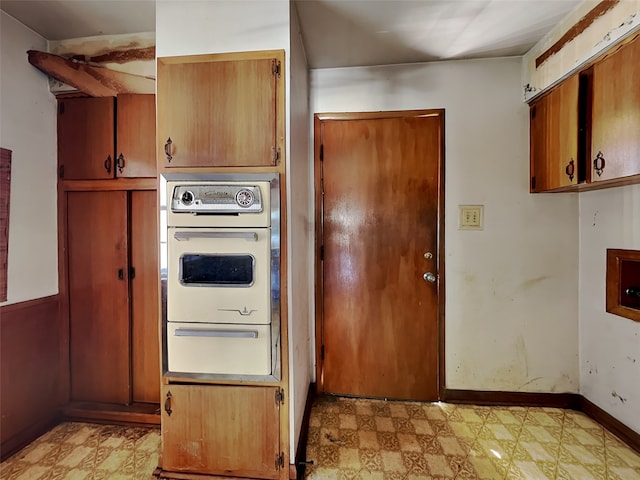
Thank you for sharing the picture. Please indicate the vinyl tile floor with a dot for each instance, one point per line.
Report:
(75, 451)
(369, 439)
(387, 440)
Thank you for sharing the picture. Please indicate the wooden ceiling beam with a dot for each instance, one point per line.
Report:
(92, 80)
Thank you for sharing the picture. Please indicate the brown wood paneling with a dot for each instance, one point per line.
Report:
(133, 414)
(31, 366)
(86, 138)
(98, 297)
(136, 128)
(5, 196)
(145, 317)
(192, 433)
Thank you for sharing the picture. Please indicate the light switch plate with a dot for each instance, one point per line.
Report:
(471, 217)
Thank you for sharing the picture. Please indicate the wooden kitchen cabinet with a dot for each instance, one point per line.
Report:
(113, 299)
(585, 132)
(223, 110)
(105, 138)
(615, 116)
(221, 430)
(554, 137)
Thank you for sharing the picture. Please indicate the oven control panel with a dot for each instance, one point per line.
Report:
(216, 198)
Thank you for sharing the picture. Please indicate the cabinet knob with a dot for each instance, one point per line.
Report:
(120, 163)
(107, 164)
(167, 404)
(599, 163)
(570, 170)
(167, 149)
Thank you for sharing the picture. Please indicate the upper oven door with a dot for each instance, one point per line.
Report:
(219, 275)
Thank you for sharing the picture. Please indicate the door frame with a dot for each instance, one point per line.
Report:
(318, 119)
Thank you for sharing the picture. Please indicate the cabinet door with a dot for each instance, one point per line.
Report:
(554, 137)
(98, 296)
(220, 430)
(136, 126)
(145, 356)
(86, 142)
(217, 113)
(615, 128)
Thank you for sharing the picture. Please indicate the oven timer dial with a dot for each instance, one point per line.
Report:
(187, 197)
(245, 198)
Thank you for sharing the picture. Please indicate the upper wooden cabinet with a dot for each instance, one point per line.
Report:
(585, 132)
(103, 138)
(554, 138)
(224, 110)
(615, 115)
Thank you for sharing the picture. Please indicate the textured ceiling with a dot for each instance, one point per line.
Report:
(339, 33)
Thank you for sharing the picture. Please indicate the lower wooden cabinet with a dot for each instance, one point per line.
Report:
(113, 297)
(221, 430)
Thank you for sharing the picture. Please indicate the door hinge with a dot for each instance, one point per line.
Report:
(321, 152)
(275, 67)
(275, 155)
(132, 273)
(533, 183)
(279, 396)
(322, 352)
(61, 171)
(279, 460)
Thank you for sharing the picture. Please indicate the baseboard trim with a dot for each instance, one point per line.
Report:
(572, 401)
(297, 471)
(141, 414)
(528, 399)
(28, 435)
(615, 426)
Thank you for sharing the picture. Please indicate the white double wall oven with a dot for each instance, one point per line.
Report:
(220, 237)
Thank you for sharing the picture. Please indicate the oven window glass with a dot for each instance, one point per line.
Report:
(217, 270)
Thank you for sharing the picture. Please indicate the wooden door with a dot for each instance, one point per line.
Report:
(86, 138)
(554, 137)
(136, 140)
(217, 113)
(615, 126)
(98, 296)
(145, 356)
(222, 429)
(382, 191)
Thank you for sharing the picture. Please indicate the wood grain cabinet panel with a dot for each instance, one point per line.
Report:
(104, 138)
(219, 111)
(615, 124)
(113, 296)
(221, 430)
(554, 137)
(98, 296)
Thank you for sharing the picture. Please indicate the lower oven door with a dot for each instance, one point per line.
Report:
(219, 275)
(219, 349)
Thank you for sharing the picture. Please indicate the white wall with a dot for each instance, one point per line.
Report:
(28, 128)
(300, 224)
(511, 289)
(609, 344)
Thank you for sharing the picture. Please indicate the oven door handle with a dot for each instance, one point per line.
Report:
(181, 236)
(202, 332)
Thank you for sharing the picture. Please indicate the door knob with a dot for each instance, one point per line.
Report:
(429, 277)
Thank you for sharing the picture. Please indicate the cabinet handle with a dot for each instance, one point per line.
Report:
(167, 149)
(107, 164)
(121, 274)
(599, 163)
(570, 170)
(167, 404)
(120, 162)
